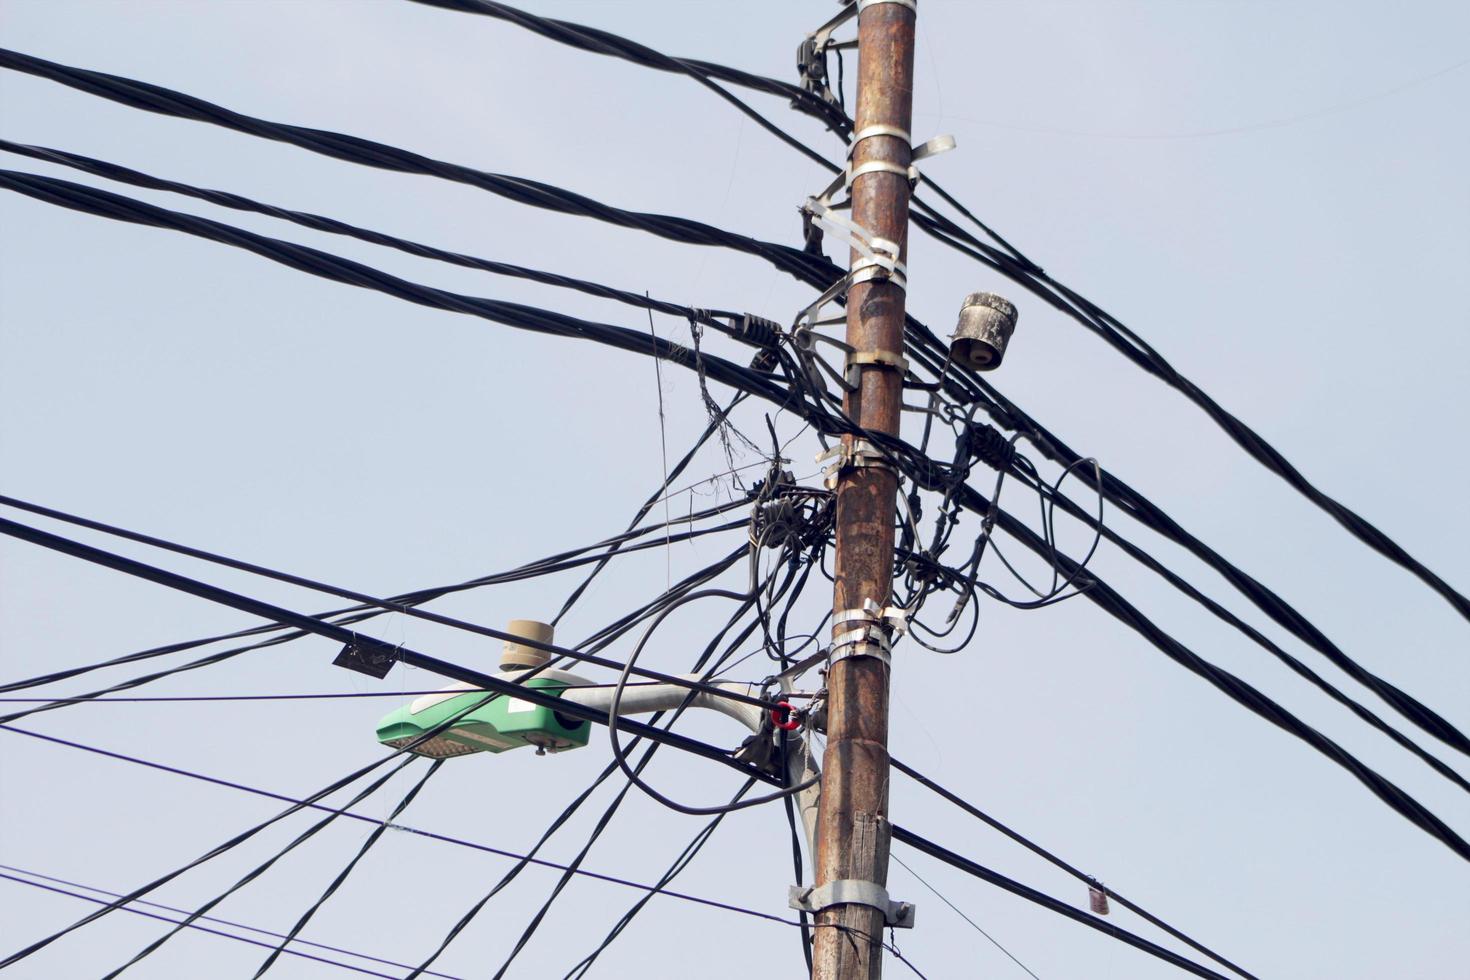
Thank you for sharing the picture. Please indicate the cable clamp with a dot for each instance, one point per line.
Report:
(858, 454)
(895, 618)
(873, 250)
(851, 891)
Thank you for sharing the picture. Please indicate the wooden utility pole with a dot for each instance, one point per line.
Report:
(852, 823)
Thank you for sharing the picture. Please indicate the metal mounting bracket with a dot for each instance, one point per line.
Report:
(858, 454)
(851, 891)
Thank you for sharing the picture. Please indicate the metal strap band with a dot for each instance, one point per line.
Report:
(933, 147)
(887, 358)
(911, 174)
(878, 129)
(896, 618)
(869, 270)
(859, 648)
(870, 633)
(851, 891)
(911, 4)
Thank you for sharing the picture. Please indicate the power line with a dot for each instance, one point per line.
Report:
(973, 924)
(214, 932)
(1407, 705)
(1015, 265)
(1007, 260)
(926, 476)
(1046, 901)
(358, 645)
(1089, 880)
(208, 918)
(427, 834)
(331, 889)
(357, 613)
(385, 604)
(266, 865)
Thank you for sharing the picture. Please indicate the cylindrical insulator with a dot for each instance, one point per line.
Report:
(759, 332)
(515, 656)
(985, 327)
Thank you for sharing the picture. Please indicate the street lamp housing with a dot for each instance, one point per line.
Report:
(500, 724)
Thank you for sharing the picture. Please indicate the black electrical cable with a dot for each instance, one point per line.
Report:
(653, 498)
(956, 909)
(1104, 597)
(528, 858)
(700, 664)
(217, 921)
(603, 42)
(269, 862)
(353, 149)
(1009, 261)
(926, 477)
(366, 599)
(116, 172)
(571, 868)
(614, 723)
(561, 562)
(1407, 705)
(1144, 356)
(1013, 263)
(1081, 876)
(213, 932)
(233, 842)
(104, 204)
(342, 876)
(298, 805)
(1237, 689)
(375, 821)
(365, 646)
(1266, 643)
(684, 859)
(925, 846)
(154, 98)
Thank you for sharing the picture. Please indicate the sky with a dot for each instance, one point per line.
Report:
(1273, 195)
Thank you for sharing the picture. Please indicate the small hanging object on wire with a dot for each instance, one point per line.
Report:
(1097, 898)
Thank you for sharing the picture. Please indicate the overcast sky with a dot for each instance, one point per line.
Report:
(1273, 194)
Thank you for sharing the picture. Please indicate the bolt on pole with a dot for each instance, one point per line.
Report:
(852, 824)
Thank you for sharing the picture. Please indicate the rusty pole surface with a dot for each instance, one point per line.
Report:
(852, 823)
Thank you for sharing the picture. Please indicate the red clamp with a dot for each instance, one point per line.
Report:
(783, 716)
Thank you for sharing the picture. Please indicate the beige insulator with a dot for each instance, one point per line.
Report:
(517, 655)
